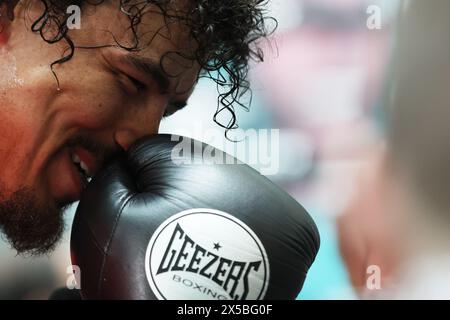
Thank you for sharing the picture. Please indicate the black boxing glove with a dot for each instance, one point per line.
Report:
(160, 223)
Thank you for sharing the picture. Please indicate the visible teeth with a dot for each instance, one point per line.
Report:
(84, 167)
(75, 158)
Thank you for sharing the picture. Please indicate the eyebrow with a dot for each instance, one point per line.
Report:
(150, 68)
(154, 70)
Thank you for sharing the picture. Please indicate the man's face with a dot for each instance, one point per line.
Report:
(107, 98)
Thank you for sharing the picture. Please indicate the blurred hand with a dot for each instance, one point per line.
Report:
(366, 230)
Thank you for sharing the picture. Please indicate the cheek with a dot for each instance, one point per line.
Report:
(4, 32)
(3, 37)
(91, 102)
(20, 136)
(8, 70)
(19, 104)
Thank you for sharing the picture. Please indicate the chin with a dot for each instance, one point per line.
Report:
(31, 225)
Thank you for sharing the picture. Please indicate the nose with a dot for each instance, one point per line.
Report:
(134, 125)
(125, 137)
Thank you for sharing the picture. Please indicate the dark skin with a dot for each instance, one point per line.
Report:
(107, 98)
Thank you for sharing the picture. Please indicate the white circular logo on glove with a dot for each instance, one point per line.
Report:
(206, 254)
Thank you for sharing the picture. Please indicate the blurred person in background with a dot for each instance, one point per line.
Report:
(366, 230)
(419, 144)
(321, 86)
(403, 226)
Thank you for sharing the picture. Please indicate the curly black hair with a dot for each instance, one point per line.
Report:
(226, 35)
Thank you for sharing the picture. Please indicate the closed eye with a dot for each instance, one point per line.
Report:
(139, 85)
(174, 107)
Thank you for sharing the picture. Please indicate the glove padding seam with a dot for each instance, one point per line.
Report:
(108, 242)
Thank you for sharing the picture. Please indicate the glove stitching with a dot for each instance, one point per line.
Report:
(108, 243)
(91, 234)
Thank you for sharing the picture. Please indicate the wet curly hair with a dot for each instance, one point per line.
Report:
(226, 35)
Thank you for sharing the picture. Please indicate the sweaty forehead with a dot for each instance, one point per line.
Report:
(158, 30)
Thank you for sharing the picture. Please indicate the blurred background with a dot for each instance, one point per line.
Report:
(321, 86)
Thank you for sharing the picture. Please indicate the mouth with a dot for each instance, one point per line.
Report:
(84, 161)
(70, 171)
